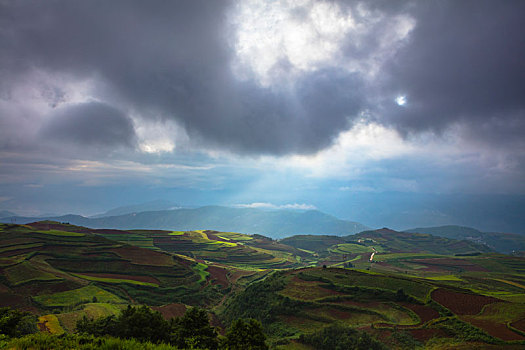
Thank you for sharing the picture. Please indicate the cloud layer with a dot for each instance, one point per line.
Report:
(418, 96)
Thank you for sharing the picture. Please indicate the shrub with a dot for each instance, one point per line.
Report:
(339, 337)
(15, 323)
(245, 334)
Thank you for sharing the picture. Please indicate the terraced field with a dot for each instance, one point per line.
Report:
(405, 289)
(304, 300)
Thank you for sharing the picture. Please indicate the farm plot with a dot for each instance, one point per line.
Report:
(25, 272)
(68, 320)
(116, 278)
(462, 303)
(77, 296)
(346, 277)
(350, 248)
(50, 324)
(299, 289)
(138, 256)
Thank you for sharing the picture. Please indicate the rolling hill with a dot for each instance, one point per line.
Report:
(271, 223)
(501, 242)
(406, 290)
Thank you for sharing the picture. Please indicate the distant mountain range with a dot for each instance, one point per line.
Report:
(501, 242)
(275, 223)
(156, 205)
(271, 223)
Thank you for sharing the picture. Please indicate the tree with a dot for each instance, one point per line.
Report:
(143, 324)
(194, 330)
(14, 323)
(140, 323)
(245, 334)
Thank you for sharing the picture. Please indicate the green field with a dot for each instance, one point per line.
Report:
(25, 272)
(76, 296)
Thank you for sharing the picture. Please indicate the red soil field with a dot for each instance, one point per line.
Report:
(519, 325)
(111, 232)
(495, 329)
(448, 264)
(46, 227)
(236, 274)
(340, 314)
(425, 313)
(137, 256)
(16, 302)
(218, 275)
(307, 290)
(147, 279)
(461, 303)
(171, 310)
(426, 334)
(3, 288)
(357, 304)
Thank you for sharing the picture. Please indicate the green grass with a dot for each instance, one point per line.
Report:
(20, 246)
(12, 260)
(92, 310)
(201, 270)
(444, 278)
(403, 256)
(75, 296)
(176, 233)
(350, 248)
(26, 272)
(234, 236)
(43, 341)
(62, 233)
(115, 280)
(52, 324)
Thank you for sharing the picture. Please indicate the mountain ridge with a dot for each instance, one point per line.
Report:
(273, 223)
(502, 242)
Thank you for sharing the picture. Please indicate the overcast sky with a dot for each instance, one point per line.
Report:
(105, 103)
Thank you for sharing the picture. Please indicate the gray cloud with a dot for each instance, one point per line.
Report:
(90, 124)
(464, 64)
(172, 60)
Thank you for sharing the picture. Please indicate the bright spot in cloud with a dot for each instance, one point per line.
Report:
(401, 100)
(291, 37)
(158, 137)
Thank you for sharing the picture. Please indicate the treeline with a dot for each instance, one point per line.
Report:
(135, 325)
(191, 331)
(340, 337)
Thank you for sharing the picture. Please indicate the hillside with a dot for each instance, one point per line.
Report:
(501, 242)
(402, 312)
(270, 223)
(397, 242)
(402, 289)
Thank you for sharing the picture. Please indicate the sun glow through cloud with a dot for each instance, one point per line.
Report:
(401, 100)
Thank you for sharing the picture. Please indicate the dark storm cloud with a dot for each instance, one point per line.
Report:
(90, 124)
(172, 60)
(465, 64)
